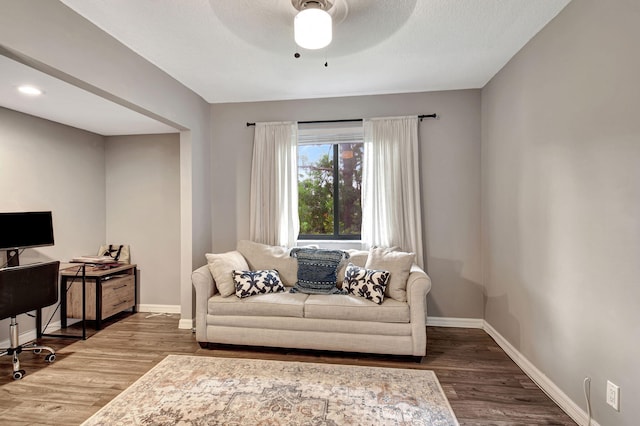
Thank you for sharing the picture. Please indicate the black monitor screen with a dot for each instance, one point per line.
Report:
(25, 229)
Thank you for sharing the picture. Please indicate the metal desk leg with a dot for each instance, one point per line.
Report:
(39, 323)
(84, 302)
(63, 302)
(98, 303)
(135, 290)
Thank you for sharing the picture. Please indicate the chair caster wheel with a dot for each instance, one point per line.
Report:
(37, 351)
(17, 375)
(50, 358)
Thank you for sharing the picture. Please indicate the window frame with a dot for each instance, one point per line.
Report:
(336, 236)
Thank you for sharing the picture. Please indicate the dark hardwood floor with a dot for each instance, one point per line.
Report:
(482, 384)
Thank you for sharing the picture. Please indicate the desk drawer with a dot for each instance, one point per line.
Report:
(118, 294)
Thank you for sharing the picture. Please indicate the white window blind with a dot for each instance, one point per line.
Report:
(319, 133)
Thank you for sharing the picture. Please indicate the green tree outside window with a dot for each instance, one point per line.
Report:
(329, 190)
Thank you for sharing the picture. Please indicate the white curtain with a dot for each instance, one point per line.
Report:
(274, 190)
(391, 213)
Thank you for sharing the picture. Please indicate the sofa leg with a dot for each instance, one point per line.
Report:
(204, 345)
(417, 359)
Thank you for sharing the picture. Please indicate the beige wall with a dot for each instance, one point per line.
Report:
(559, 157)
(49, 166)
(561, 203)
(450, 159)
(118, 189)
(143, 210)
(54, 39)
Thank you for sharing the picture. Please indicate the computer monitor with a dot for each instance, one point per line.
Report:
(25, 229)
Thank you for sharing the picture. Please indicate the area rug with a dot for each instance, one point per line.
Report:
(192, 390)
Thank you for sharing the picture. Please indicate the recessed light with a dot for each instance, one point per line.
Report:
(30, 90)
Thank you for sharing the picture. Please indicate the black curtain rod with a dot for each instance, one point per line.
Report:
(421, 117)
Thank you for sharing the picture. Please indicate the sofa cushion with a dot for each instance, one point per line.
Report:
(346, 307)
(263, 256)
(222, 266)
(358, 257)
(367, 283)
(317, 270)
(313, 325)
(272, 304)
(250, 283)
(398, 263)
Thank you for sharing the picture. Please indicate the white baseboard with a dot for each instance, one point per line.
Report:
(22, 338)
(185, 324)
(572, 409)
(540, 379)
(159, 309)
(455, 322)
(30, 335)
(55, 326)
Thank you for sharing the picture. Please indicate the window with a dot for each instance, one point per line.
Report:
(329, 182)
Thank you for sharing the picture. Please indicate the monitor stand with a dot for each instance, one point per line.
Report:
(12, 258)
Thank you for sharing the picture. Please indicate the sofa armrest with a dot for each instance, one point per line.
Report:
(205, 287)
(418, 286)
(418, 278)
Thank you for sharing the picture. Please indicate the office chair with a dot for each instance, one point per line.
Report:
(23, 289)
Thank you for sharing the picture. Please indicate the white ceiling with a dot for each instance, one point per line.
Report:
(243, 50)
(67, 104)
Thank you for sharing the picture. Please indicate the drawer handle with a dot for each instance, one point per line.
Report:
(118, 304)
(119, 287)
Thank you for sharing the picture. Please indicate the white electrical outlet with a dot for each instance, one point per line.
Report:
(613, 395)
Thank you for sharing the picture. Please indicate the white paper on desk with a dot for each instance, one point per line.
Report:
(93, 259)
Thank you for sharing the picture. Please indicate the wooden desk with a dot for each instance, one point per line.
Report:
(106, 292)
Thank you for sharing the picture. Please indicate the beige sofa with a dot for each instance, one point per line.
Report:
(333, 322)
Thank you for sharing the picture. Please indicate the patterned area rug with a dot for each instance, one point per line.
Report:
(191, 390)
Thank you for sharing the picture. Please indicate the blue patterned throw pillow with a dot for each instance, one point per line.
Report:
(249, 283)
(317, 270)
(366, 283)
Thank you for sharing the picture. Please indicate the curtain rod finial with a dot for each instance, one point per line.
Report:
(434, 115)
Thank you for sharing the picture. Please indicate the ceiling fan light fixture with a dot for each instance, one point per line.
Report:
(312, 27)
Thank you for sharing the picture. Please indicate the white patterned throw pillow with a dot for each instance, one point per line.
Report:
(249, 283)
(366, 283)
